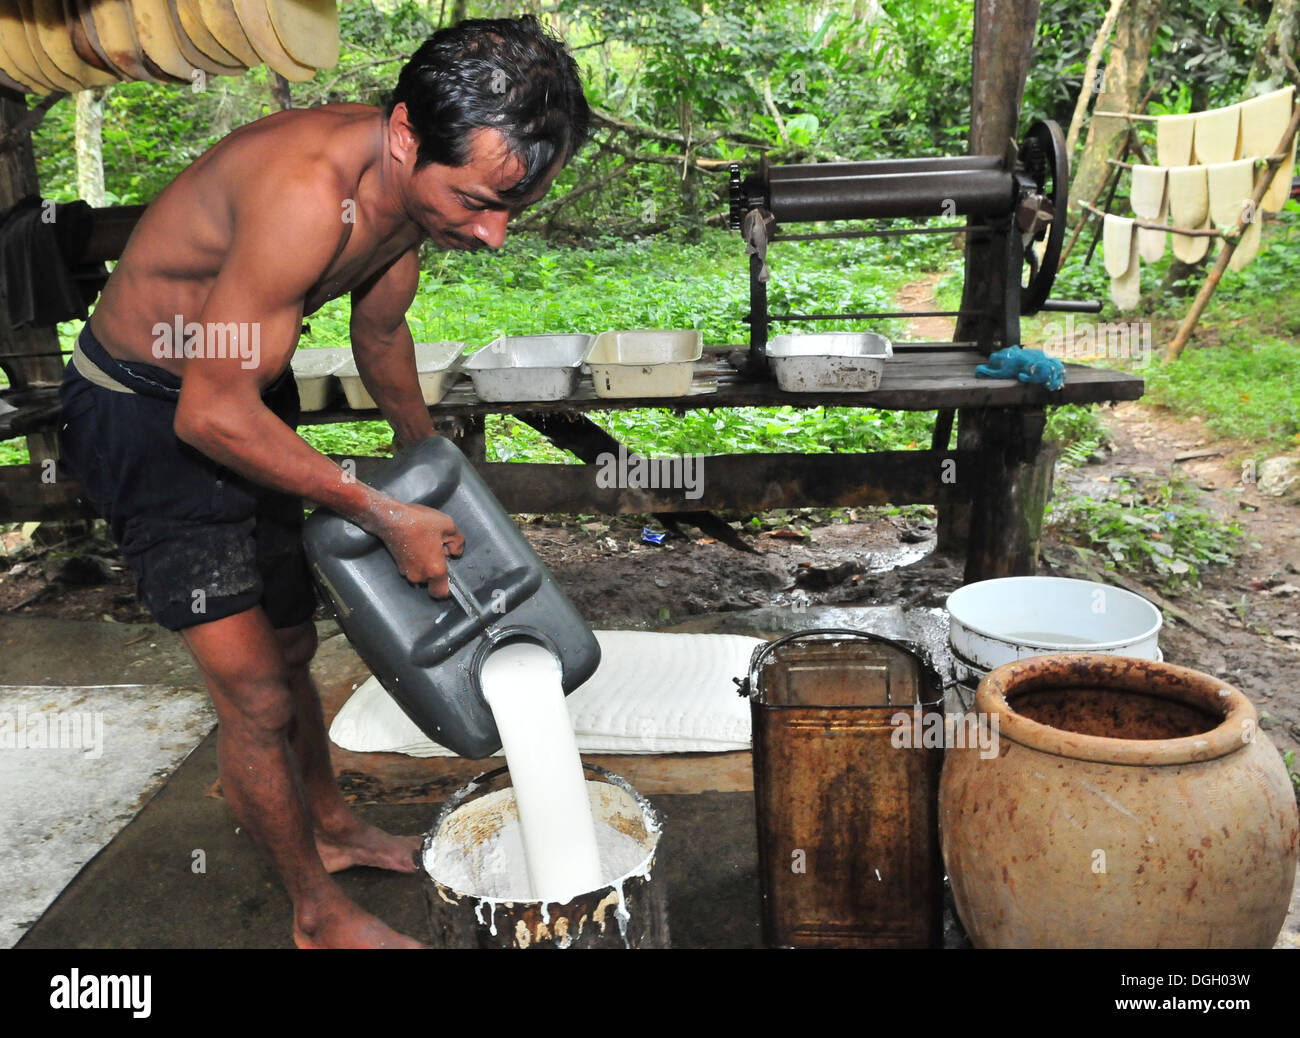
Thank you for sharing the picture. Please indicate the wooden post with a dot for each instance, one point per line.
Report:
(44, 365)
(954, 504)
(1013, 486)
(1004, 38)
(471, 438)
(1003, 42)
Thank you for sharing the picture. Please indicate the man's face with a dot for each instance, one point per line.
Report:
(460, 207)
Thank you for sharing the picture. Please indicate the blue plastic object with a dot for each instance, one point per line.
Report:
(1026, 365)
(428, 652)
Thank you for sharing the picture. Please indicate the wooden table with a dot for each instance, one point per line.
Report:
(991, 488)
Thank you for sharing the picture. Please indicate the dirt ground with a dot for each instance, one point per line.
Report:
(1242, 625)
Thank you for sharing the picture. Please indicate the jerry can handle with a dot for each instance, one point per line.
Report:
(749, 686)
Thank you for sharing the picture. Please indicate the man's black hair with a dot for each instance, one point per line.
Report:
(506, 74)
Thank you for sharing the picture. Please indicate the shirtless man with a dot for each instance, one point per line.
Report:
(188, 447)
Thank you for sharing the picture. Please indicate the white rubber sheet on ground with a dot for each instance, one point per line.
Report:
(652, 693)
(77, 763)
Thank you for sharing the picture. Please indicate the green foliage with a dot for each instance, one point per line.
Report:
(1078, 430)
(1248, 393)
(357, 439)
(1201, 55)
(1292, 772)
(1153, 529)
(530, 287)
(1204, 50)
(1066, 29)
(912, 81)
(14, 452)
(768, 429)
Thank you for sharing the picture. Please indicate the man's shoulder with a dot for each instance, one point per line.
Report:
(323, 146)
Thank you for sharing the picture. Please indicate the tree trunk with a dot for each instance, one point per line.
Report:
(1089, 78)
(1121, 89)
(689, 185)
(1281, 41)
(90, 146)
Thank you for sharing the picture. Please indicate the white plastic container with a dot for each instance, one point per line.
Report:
(829, 362)
(528, 367)
(313, 370)
(644, 363)
(438, 364)
(993, 622)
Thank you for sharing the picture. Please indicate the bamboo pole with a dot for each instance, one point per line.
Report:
(1190, 232)
(1185, 329)
(1078, 228)
(1131, 143)
(1130, 116)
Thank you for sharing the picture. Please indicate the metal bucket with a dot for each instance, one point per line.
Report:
(848, 838)
(628, 911)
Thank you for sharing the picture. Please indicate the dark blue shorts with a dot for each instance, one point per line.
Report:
(204, 542)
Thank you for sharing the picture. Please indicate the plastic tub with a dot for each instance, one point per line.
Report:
(993, 622)
(829, 362)
(313, 370)
(528, 367)
(644, 363)
(436, 362)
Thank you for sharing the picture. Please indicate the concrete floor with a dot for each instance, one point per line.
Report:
(180, 875)
(93, 720)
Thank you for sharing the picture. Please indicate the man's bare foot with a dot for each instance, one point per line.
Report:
(343, 924)
(356, 843)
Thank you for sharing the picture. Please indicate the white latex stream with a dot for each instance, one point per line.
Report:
(522, 684)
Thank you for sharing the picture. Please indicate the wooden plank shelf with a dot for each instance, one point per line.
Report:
(915, 380)
(991, 490)
(925, 377)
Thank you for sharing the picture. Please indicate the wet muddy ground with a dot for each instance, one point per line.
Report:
(1242, 624)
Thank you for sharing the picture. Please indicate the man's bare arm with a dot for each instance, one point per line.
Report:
(384, 348)
(282, 245)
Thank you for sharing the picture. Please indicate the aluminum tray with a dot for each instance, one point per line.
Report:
(644, 362)
(528, 367)
(829, 362)
(438, 364)
(314, 370)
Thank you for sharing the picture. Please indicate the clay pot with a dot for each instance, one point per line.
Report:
(1130, 803)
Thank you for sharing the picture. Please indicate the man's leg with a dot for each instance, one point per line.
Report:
(342, 839)
(248, 678)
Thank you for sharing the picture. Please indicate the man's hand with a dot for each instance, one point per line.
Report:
(420, 539)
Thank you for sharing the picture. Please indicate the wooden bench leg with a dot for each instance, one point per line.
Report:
(1010, 495)
(572, 432)
(470, 435)
(955, 504)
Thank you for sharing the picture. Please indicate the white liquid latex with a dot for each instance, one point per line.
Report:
(522, 684)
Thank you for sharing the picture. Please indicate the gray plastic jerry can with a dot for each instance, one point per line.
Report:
(428, 652)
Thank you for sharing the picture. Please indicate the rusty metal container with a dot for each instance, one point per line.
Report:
(846, 791)
(627, 911)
